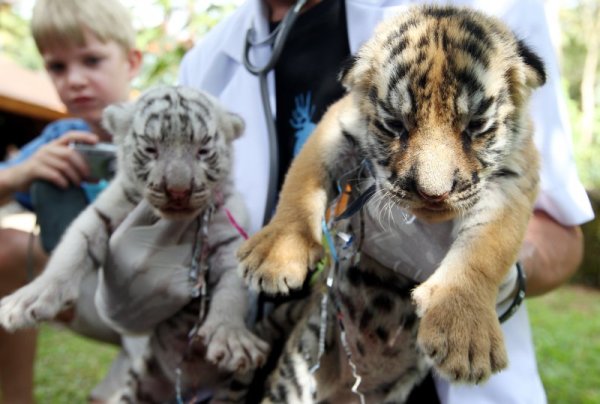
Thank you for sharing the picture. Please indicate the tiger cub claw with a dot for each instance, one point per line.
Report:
(277, 258)
(34, 303)
(232, 347)
(463, 338)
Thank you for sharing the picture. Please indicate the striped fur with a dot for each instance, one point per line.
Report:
(437, 108)
(380, 325)
(174, 150)
(374, 308)
(178, 140)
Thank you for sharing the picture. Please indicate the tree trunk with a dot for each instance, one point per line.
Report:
(591, 28)
(589, 272)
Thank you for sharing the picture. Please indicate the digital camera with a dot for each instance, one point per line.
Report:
(101, 159)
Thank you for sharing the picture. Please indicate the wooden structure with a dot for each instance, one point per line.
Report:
(28, 102)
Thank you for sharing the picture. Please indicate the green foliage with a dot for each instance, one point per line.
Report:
(163, 42)
(572, 50)
(163, 48)
(586, 153)
(15, 39)
(575, 20)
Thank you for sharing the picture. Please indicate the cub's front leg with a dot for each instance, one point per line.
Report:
(229, 343)
(276, 259)
(81, 250)
(459, 328)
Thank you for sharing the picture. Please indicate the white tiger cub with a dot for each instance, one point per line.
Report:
(174, 151)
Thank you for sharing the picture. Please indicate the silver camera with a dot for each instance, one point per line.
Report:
(101, 159)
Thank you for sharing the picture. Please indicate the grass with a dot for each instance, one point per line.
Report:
(566, 329)
(69, 366)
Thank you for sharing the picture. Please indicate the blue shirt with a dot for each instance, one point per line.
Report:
(50, 133)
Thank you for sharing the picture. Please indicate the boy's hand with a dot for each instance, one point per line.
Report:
(55, 162)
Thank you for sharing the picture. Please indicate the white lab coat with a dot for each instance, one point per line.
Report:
(215, 65)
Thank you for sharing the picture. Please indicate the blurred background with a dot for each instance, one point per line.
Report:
(566, 322)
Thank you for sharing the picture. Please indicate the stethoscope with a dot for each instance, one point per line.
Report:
(277, 40)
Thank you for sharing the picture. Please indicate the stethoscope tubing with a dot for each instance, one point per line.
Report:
(277, 38)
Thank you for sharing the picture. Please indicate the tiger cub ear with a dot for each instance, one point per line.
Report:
(347, 66)
(355, 73)
(535, 73)
(117, 119)
(234, 125)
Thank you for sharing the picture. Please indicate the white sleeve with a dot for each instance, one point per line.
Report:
(562, 194)
(183, 77)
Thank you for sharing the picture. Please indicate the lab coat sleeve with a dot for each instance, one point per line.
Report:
(562, 194)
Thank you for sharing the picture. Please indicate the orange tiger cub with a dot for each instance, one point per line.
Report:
(436, 106)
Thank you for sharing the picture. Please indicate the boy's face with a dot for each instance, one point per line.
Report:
(90, 77)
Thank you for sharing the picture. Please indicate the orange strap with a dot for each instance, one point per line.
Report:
(342, 203)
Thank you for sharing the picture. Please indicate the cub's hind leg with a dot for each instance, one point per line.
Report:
(292, 380)
(296, 379)
(146, 382)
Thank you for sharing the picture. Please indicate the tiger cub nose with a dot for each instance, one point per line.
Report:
(432, 198)
(179, 194)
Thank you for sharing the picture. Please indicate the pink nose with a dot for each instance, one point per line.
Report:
(432, 198)
(179, 194)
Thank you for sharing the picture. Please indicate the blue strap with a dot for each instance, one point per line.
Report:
(92, 190)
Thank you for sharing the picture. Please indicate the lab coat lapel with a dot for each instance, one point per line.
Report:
(242, 95)
(251, 14)
(251, 169)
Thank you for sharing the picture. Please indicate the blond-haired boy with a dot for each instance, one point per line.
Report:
(88, 48)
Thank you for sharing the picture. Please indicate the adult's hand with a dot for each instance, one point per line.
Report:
(551, 253)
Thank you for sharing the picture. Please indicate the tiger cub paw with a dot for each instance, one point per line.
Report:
(232, 347)
(36, 302)
(460, 333)
(277, 258)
